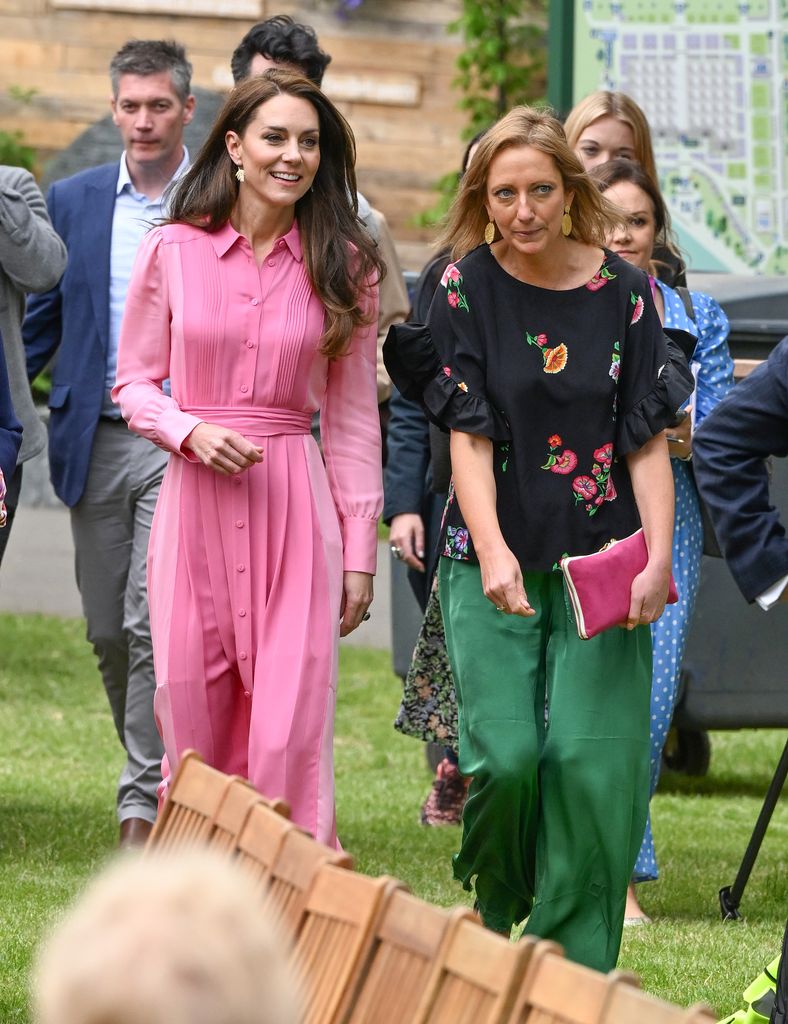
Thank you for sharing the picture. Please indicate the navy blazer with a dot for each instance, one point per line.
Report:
(73, 320)
(10, 427)
(729, 449)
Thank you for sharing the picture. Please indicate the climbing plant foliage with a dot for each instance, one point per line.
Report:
(503, 60)
(502, 64)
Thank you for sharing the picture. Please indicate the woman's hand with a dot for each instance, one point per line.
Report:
(221, 449)
(502, 582)
(680, 438)
(356, 598)
(407, 536)
(648, 596)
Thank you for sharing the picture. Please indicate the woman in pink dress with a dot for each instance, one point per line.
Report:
(258, 301)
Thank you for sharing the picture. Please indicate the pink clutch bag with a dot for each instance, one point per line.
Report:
(599, 584)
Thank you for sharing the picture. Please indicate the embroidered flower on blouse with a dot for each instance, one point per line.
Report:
(590, 489)
(456, 546)
(600, 279)
(639, 304)
(562, 463)
(451, 273)
(451, 281)
(615, 365)
(585, 487)
(553, 359)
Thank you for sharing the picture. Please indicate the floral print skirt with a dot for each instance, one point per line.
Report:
(429, 707)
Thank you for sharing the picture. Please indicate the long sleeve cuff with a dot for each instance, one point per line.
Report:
(173, 428)
(360, 547)
(773, 594)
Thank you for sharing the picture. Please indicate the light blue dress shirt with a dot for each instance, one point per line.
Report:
(133, 217)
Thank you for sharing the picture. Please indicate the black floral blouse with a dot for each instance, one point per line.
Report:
(564, 383)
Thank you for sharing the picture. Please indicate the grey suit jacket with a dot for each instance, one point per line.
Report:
(32, 259)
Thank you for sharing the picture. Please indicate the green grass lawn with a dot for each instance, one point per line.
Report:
(59, 761)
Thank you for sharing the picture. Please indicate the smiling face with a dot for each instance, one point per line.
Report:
(605, 139)
(634, 240)
(526, 198)
(150, 117)
(279, 150)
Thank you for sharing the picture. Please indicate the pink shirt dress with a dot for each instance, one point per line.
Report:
(245, 572)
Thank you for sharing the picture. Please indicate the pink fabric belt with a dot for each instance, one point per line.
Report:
(256, 422)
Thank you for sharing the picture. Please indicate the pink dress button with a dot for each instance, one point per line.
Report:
(244, 389)
(239, 523)
(242, 613)
(242, 655)
(241, 567)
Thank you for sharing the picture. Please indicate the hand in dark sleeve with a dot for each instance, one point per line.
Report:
(730, 447)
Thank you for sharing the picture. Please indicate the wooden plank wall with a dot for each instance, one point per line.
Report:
(391, 74)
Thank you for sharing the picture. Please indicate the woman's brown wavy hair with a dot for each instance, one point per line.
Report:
(340, 257)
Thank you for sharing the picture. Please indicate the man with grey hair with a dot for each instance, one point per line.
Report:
(108, 476)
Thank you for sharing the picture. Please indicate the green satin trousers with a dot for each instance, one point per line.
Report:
(554, 731)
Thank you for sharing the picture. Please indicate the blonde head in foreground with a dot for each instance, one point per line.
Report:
(165, 940)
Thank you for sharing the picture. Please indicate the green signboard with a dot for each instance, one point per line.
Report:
(711, 77)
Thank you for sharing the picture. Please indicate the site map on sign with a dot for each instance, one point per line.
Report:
(711, 77)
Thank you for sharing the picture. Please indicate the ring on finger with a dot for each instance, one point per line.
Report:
(396, 551)
(366, 617)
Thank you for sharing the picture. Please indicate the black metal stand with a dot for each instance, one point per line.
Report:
(730, 895)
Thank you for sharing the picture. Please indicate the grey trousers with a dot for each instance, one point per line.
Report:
(111, 525)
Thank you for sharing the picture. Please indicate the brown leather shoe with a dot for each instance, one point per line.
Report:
(134, 832)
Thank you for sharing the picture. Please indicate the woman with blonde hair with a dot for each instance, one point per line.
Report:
(545, 358)
(608, 126)
(258, 301)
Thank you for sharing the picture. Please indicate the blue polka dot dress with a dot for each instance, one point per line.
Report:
(669, 634)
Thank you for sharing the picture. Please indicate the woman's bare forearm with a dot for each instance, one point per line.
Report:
(474, 485)
(652, 483)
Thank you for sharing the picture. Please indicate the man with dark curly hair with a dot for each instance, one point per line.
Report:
(282, 43)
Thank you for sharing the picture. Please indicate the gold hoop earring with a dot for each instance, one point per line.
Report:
(566, 222)
(239, 173)
(489, 232)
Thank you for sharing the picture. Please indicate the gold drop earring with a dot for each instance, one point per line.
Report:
(566, 222)
(239, 173)
(489, 232)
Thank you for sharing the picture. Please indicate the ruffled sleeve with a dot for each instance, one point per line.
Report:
(655, 378)
(441, 365)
